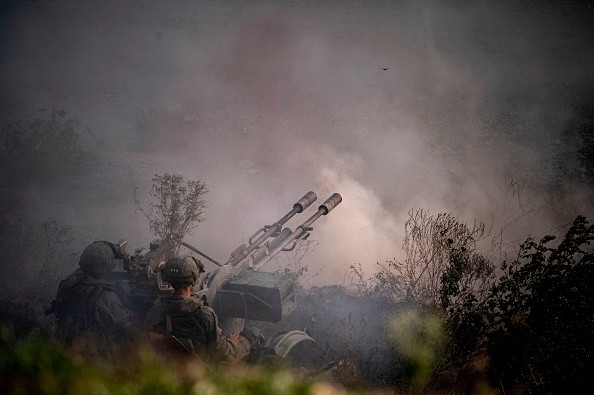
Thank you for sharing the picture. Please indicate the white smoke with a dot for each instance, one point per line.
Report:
(394, 106)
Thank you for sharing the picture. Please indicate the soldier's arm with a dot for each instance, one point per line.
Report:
(111, 314)
(227, 349)
(155, 317)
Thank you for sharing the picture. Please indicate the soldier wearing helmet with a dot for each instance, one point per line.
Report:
(88, 301)
(185, 318)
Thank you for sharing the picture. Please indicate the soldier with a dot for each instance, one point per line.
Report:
(186, 322)
(87, 301)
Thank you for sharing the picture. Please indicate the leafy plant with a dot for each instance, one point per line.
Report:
(42, 366)
(533, 326)
(178, 209)
(541, 317)
(420, 339)
(351, 348)
(428, 243)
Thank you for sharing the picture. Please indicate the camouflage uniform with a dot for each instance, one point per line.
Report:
(90, 303)
(94, 304)
(187, 320)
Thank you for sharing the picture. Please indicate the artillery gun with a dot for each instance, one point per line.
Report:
(237, 290)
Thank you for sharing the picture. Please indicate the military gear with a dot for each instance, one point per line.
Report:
(196, 326)
(98, 258)
(181, 270)
(254, 336)
(93, 305)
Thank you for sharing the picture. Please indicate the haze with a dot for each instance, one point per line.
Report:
(394, 105)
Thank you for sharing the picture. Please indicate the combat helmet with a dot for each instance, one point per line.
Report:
(98, 258)
(181, 270)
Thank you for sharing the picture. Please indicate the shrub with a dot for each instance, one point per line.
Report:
(178, 209)
(533, 326)
(419, 338)
(428, 243)
(41, 366)
(541, 337)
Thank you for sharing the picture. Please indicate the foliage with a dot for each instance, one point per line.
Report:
(428, 243)
(41, 366)
(178, 209)
(351, 349)
(529, 330)
(533, 324)
(419, 338)
(43, 150)
(541, 337)
(465, 284)
(35, 255)
(467, 275)
(442, 271)
(458, 327)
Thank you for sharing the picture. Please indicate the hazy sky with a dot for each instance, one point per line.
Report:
(396, 105)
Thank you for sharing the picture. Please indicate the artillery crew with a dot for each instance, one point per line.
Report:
(91, 301)
(185, 323)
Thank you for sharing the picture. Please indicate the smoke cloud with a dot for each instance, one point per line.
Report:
(396, 106)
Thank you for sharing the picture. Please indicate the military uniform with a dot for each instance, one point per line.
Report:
(93, 304)
(195, 324)
(87, 302)
(187, 321)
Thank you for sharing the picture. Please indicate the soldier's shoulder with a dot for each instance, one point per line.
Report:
(207, 310)
(208, 314)
(108, 293)
(73, 278)
(155, 315)
(191, 304)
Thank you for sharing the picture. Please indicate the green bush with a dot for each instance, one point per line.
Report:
(420, 339)
(40, 366)
(534, 326)
(541, 315)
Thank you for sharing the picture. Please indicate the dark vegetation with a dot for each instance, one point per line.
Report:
(35, 156)
(446, 319)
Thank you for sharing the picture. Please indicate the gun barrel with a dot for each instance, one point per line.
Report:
(305, 201)
(331, 202)
(197, 251)
(324, 209)
(298, 207)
